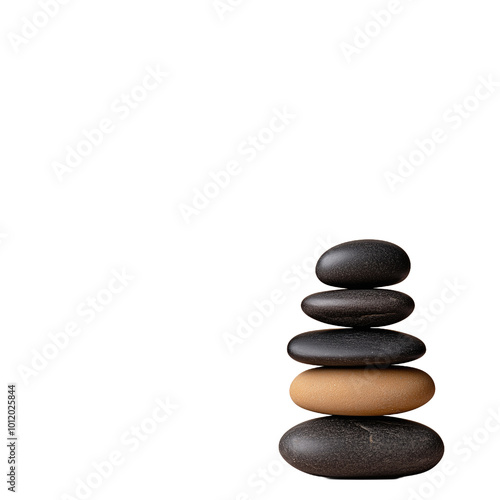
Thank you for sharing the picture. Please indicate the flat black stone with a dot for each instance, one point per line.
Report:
(361, 447)
(355, 347)
(363, 264)
(358, 308)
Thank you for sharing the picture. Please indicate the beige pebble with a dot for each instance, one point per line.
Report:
(362, 391)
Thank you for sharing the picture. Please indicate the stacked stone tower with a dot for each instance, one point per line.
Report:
(357, 382)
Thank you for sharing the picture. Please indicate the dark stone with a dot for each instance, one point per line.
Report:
(355, 347)
(358, 308)
(363, 264)
(361, 447)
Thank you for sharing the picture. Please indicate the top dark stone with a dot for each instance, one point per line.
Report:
(363, 264)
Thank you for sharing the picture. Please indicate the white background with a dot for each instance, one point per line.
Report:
(322, 178)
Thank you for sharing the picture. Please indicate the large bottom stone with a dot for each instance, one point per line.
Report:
(361, 447)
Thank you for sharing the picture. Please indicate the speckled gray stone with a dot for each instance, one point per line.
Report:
(358, 308)
(355, 347)
(361, 447)
(363, 264)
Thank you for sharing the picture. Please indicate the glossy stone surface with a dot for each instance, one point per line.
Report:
(355, 347)
(362, 391)
(363, 264)
(358, 308)
(361, 447)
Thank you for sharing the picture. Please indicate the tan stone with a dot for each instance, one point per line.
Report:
(362, 391)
